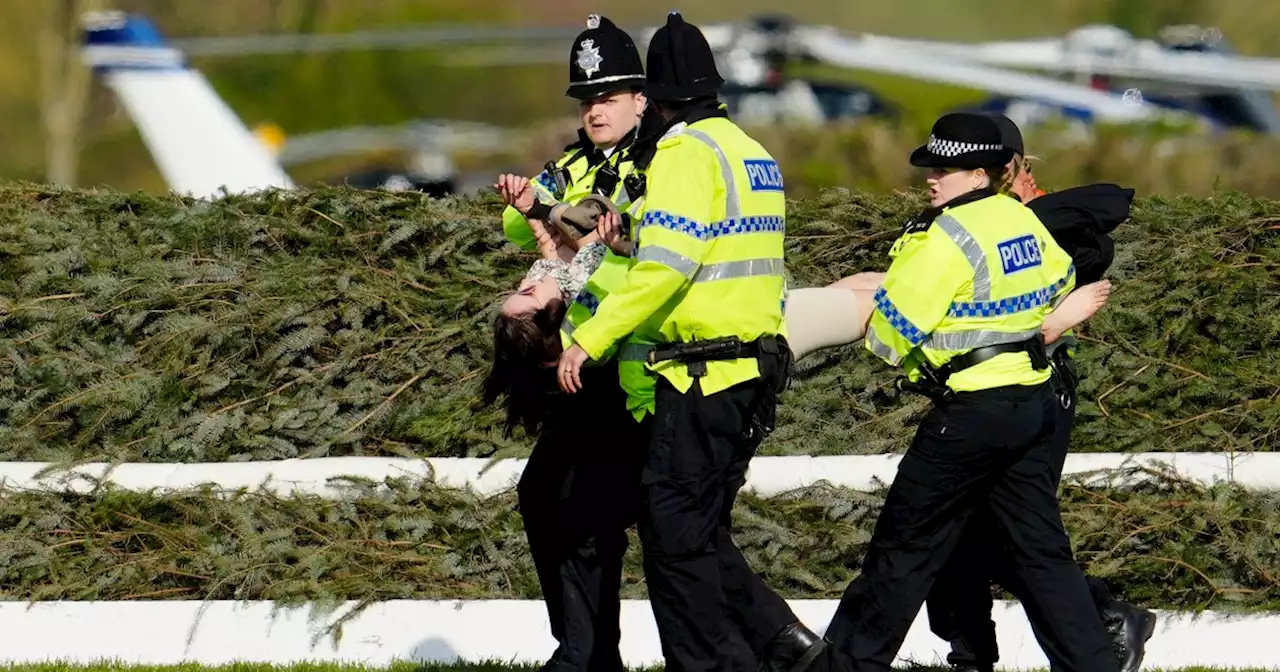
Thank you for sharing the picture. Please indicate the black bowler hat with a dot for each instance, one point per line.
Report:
(604, 58)
(1010, 134)
(680, 63)
(964, 140)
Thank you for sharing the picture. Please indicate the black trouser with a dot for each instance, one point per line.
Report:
(579, 493)
(989, 453)
(705, 598)
(960, 603)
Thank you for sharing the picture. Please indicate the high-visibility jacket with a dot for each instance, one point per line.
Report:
(709, 253)
(580, 167)
(985, 272)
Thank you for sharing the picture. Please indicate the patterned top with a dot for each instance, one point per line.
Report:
(572, 276)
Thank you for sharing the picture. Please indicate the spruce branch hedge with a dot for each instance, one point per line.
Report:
(338, 322)
(1166, 543)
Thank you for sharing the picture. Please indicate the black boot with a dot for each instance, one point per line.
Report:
(792, 650)
(1130, 627)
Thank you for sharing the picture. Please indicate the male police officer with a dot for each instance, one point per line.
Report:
(707, 290)
(580, 489)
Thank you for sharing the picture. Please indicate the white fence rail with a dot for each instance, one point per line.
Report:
(768, 475)
(509, 630)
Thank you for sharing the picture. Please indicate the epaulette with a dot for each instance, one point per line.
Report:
(673, 135)
(920, 222)
(916, 225)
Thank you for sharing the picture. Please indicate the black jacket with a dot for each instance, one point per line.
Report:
(1081, 219)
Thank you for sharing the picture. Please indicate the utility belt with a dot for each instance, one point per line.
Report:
(774, 357)
(1065, 378)
(697, 353)
(933, 381)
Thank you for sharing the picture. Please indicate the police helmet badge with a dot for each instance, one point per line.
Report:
(589, 59)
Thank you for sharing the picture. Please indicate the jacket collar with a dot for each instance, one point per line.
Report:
(924, 220)
(595, 155)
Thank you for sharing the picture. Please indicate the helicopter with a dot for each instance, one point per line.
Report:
(758, 89)
(1190, 69)
(201, 146)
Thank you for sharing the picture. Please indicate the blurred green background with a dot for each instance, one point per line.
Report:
(304, 93)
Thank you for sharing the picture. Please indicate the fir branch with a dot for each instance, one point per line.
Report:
(129, 321)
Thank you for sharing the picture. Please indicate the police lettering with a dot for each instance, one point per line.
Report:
(1019, 254)
(763, 174)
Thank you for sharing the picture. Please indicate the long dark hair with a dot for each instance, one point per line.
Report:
(524, 346)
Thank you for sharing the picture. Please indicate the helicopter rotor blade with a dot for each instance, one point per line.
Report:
(415, 38)
(832, 48)
(1109, 54)
(434, 135)
(504, 56)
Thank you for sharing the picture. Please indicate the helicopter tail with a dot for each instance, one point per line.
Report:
(199, 145)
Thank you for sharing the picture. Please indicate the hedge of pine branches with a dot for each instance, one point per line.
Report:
(336, 322)
(1166, 543)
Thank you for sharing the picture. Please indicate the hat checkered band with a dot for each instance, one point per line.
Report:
(955, 148)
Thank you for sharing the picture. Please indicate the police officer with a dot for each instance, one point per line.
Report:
(706, 289)
(960, 603)
(580, 489)
(960, 309)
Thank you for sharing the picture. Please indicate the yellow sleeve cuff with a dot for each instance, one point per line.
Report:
(595, 345)
(517, 229)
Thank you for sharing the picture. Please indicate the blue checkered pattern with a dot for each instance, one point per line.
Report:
(1011, 305)
(767, 224)
(897, 320)
(546, 181)
(587, 299)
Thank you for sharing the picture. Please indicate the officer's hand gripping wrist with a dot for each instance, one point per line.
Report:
(576, 221)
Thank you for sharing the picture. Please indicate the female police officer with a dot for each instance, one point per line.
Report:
(1080, 219)
(961, 309)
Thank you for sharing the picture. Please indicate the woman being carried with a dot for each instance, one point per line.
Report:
(528, 328)
(526, 334)
(836, 315)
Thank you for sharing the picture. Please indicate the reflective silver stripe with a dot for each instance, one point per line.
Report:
(567, 329)
(672, 132)
(732, 207)
(972, 252)
(636, 209)
(634, 352)
(739, 269)
(1071, 272)
(604, 80)
(880, 349)
(673, 260)
(544, 195)
(1053, 305)
(968, 340)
